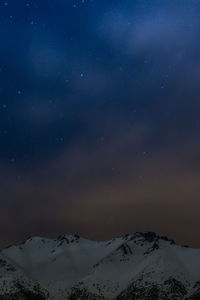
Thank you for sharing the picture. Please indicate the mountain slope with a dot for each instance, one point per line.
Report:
(139, 266)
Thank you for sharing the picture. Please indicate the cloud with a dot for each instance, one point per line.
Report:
(102, 192)
(143, 29)
(46, 58)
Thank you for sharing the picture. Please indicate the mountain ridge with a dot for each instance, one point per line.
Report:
(138, 266)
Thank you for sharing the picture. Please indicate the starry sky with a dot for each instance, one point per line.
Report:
(99, 118)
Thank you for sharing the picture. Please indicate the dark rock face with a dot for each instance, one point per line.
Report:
(196, 294)
(150, 236)
(83, 294)
(126, 250)
(172, 289)
(25, 295)
(175, 288)
(4, 264)
(63, 239)
(19, 292)
(153, 248)
(137, 293)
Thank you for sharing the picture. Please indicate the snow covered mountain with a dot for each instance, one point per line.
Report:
(140, 266)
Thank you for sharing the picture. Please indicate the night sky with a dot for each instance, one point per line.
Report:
(99, 118)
